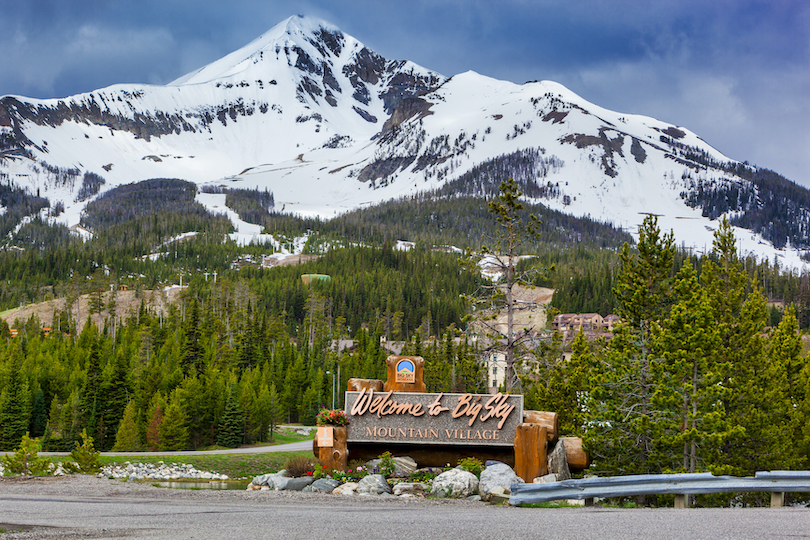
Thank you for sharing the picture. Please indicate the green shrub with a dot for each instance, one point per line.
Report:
(85, 457)
(471, 464)
(387, 467)
(24, 460)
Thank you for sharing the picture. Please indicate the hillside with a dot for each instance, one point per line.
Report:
(126, 304)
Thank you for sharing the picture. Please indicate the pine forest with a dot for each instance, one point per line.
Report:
(707, 370)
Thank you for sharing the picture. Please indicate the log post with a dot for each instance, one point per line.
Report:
(530, 451)
(335, 457)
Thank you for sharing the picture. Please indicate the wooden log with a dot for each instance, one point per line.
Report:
(577, 458)
(335, 457)
(549, 419)
(530, 451)
(355, 385)
(407, 379)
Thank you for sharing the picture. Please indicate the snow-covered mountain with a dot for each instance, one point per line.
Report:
(328, 125)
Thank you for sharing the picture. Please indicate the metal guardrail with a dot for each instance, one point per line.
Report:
(661, 484)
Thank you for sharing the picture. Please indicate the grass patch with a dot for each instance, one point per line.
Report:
(234, 465)
(290, 436)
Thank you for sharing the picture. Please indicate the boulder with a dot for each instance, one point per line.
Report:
(373, 484)
(349, 488)
(455, 484)
(496, 475)
(558, 462)
(410, 489)
(298, 484)
(276, 481)
(323, 485)
(547, 479)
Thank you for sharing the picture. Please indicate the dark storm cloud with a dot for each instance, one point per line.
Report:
(737, 72)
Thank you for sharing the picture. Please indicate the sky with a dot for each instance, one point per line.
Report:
(735, 72)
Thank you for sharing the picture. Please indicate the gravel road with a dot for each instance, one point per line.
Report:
(75, 507)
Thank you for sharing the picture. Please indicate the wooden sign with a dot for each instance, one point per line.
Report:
(326, 436)
(420, 418)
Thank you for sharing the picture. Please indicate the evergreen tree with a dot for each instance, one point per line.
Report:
(13, 411)
(690, 426)
(231, 424)
(91, 404)
(39, 414)
(623, 432)
(116, 395)
(274, 410)
(155, 416)
(783, 401)
(192, 353)
(563, 385)
(173, 432)
(127, 439)
(740, 315)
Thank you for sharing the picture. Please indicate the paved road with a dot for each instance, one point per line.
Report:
(104, 510)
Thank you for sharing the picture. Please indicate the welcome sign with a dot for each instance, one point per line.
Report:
(447, 419)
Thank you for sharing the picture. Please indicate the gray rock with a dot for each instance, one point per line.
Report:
(272, 480)
(349, 488)
(558, 463)
(373, 484)
(323, 485)
(410, 489)
(547, 479)
(405, 465)
(474, 498)
(297, 484)
(455, 484)
(494, 476)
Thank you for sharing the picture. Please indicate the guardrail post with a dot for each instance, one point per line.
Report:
(681, 501)
(777, 499)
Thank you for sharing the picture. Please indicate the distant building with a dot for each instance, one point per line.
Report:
(591, 324)
(495, 363)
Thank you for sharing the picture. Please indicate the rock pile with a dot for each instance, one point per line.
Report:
(494, 486)
(159, 471)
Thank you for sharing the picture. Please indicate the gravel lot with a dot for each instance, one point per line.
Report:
(75, 507)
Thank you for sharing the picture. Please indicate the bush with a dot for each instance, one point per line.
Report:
(299, 466)
(387, 467)
(471, 464)
(24, 460)
(85, 457)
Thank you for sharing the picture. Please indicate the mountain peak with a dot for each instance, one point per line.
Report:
(297, 30)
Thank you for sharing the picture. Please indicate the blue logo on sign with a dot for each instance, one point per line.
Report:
(405, 366)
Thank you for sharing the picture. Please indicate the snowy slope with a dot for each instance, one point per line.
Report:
(327, 125)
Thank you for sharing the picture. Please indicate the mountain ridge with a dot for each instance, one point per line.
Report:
(328, 126)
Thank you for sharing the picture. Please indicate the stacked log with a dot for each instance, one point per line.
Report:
(550, 420)
(356, 385)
